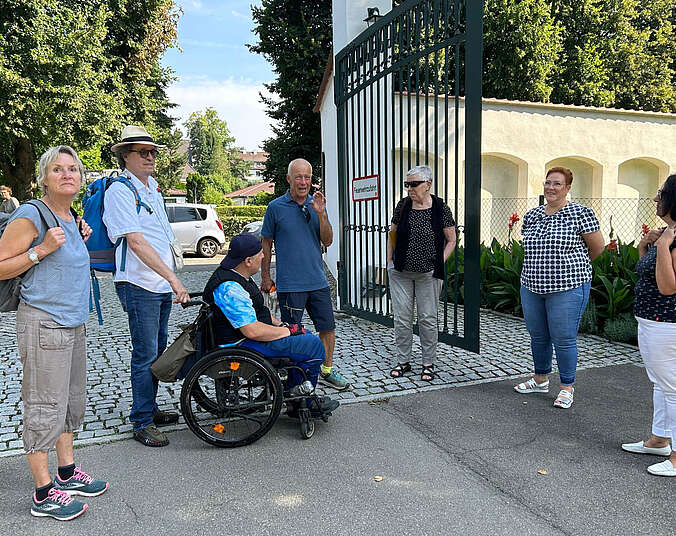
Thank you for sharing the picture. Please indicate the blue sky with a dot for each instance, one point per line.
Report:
(215, 69)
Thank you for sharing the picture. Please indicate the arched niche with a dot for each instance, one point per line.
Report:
(504, 180)
(587, 176)
(637, 181)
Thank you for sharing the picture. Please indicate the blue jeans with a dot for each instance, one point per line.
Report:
(305, 351)
(148, 314)
(553, 319)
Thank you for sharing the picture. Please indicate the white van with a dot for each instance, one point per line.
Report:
(197, 228)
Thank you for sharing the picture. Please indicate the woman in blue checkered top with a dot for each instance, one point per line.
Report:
(560, 240)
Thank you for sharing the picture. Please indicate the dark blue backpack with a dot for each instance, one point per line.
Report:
(101, 249)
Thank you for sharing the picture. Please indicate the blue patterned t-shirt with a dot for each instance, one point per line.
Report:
(235, 303)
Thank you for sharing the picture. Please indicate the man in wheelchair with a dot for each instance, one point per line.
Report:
(241, 314)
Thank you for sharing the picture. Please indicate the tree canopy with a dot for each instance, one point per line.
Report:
(220, 169)
(74, 71)
(295, 37)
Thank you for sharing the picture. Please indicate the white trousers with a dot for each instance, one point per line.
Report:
(657, 342)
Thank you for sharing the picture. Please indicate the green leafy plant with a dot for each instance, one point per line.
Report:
(622, 329)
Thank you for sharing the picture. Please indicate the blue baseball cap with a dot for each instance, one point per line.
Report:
(241, 247)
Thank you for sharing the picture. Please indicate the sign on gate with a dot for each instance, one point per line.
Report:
(365, 188)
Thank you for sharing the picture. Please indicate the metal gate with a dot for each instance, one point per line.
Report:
(408, 92)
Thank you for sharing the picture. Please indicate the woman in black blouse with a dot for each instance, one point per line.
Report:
(560, 239)
(655, 311)
(423, 237)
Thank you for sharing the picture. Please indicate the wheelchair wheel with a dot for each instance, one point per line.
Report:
(231, 398)
(307, 429)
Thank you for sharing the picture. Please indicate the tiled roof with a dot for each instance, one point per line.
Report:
(250, 191)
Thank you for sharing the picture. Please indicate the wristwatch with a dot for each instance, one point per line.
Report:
(33, 256)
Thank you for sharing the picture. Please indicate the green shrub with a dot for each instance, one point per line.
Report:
(255, 212)
(589, 321)
(624, 328)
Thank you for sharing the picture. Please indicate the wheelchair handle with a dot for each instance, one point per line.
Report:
(193, 302)
(195, 294)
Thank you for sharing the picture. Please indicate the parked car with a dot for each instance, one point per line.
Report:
(253, 228)
(197, 228)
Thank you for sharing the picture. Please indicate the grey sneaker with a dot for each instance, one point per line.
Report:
(81, 484)
(58, 505)
(334, 379)
(150, 436)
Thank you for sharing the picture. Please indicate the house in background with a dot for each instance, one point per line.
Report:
(256, 160)
(245, 195)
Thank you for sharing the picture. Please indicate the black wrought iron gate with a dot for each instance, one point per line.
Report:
(408, 92)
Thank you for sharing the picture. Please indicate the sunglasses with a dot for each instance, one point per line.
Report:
(413, 184)
(305, 212)
(145, 152)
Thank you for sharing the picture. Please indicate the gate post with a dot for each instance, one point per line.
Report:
(473, 70)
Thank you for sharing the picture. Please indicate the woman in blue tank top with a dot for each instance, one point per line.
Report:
(50, 325)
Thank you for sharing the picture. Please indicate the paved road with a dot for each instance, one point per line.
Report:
(461, 461)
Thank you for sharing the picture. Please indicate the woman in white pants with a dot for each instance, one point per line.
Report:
(655, 310)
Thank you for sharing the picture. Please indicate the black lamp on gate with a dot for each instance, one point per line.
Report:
(373, 14)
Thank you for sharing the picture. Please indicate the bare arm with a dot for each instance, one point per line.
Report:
(325, 230)
(16, 241)
(665, 270)
(259, 331)
(266, 280)
(449, 235)
(144, 251)
(594, 243)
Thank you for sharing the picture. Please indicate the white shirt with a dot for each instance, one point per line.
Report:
(121, 218)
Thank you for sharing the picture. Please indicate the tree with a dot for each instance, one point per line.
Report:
(170, 162)
(73, 72)
(617, 53)
(295, 37)
(214, 154)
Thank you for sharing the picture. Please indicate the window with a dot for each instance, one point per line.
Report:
(202, 213)
(170, 214)
(182, 214)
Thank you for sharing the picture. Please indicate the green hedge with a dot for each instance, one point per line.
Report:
(255, 212)
(612, 288)
(232, 225)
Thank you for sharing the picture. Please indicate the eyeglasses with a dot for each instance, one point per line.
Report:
(143, 153)
(305, 212)
(413, 184)
(554, 184)
(659, 193)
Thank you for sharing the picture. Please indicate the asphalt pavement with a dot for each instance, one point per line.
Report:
(470, 459)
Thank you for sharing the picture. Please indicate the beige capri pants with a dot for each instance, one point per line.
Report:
(54, 385)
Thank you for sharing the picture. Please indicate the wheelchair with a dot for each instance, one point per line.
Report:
(232, 395)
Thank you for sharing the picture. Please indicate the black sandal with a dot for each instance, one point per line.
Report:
(428, 373)
(400, 370)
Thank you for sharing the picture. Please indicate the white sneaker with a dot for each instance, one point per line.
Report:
(640, 448)
(665, 468)
(531, 386)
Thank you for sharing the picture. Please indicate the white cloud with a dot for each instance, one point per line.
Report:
(236, 101)
(238, 15)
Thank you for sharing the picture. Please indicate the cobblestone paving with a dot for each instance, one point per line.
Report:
(363, 354)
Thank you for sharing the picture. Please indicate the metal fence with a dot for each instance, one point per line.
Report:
(625, 216)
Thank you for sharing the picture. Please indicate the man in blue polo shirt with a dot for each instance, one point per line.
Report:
(299, 225)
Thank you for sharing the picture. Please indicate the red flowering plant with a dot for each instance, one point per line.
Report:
(644, 230)
(511, 222)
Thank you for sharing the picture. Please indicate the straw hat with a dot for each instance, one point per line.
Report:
(132, 134)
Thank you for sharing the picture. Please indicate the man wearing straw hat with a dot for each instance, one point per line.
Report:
(144, 282)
